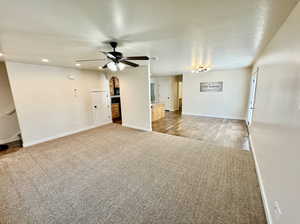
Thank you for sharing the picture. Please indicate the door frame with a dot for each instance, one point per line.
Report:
(168, 90)
(252, 97)
(109, 118)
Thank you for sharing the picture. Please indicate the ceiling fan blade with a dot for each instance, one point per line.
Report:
(87, 60)
(137, 58)
(109, 55)
(129, 63)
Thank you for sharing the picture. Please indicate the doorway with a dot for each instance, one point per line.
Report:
(100, 107)
(252, 97)
(165, 93)
(114, 85)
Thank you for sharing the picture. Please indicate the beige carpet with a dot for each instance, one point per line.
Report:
(118, 175)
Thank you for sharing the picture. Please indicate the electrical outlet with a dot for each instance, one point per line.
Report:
(277, 209)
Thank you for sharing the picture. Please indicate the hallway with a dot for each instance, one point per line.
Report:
(217, 131)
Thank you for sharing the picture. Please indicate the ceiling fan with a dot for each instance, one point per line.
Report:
(117, 60)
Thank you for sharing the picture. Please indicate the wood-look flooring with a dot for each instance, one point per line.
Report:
(224, 132)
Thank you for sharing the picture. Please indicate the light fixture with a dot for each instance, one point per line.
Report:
(113, 66)
(201, 68)
(77, 65)
(121, 66)
(100, 67)
(1, 54)
(45, 60)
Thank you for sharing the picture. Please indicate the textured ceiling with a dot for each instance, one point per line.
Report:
(181, 33)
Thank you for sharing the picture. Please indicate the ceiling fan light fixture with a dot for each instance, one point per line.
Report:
(112, 66)
(117, 61)
(121, 66)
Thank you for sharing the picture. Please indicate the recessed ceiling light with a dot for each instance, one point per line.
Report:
(100, 67)
(1, 54)
(45, 60)
(77, 65)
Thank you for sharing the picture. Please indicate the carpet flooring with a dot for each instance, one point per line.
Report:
(114, 174)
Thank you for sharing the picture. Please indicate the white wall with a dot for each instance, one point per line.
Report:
(9, 127)
(275, 130)
(135, 97)
(231, 103)
(46, 105)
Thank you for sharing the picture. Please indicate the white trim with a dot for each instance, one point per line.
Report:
(149, 96)
(27, 144)
(216, 116)
(136, 127)
(261, 185)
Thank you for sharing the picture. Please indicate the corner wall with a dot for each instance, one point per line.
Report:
(46, 103)
(231, 103)
(275, 129)
(135, 97)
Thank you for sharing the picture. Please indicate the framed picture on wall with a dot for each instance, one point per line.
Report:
(211, 86)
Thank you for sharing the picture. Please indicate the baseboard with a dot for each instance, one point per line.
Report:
(261, 185)
(27, 144)
(215, 116)
(136, 127)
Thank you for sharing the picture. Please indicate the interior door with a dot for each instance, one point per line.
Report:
(165, 93)
(100, 107)
(252, 97)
